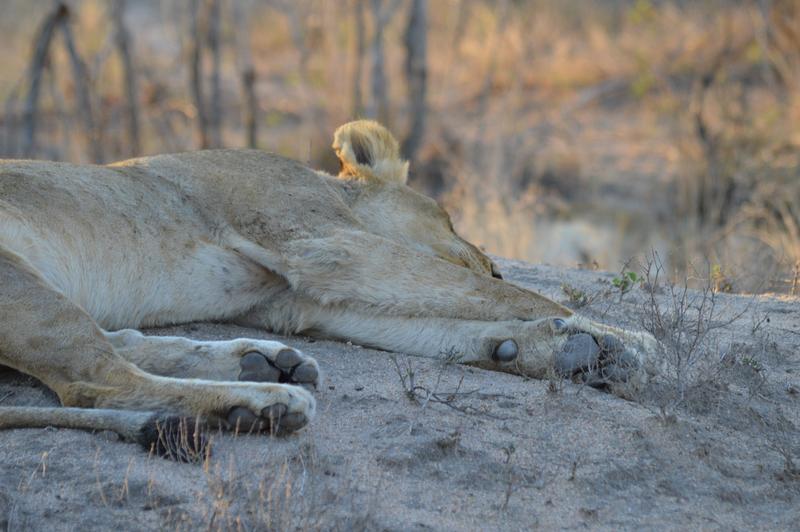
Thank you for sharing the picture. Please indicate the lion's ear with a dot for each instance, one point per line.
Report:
(368, 152)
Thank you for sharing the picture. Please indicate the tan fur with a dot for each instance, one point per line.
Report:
(248, 237)
(368, 152)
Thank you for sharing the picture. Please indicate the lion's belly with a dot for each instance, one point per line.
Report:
(130, 281)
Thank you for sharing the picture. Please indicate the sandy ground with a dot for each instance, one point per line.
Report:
(503, 453)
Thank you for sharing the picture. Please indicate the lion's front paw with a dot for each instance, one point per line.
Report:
(598, 361)
(600, 355)
(273, 409)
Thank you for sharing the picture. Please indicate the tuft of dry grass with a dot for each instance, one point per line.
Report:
(687, 324)
(290, 493)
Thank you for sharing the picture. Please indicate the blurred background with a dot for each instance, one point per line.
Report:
(568, 132)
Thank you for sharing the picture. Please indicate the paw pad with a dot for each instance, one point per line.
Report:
(597, 362)
(579, 353)
(274, 418)
(506, 351)
(256, 368)
(559, 326)
(287, 366)
(288, 358)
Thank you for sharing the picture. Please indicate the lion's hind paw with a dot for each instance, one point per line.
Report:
(287, 365)
(291, 412)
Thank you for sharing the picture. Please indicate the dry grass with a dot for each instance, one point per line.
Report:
(456, 398)
(688, 325)
(293, 493)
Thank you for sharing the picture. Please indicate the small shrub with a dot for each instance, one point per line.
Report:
(685, 322)
(721, 281)
(752, 362)
(625, 281)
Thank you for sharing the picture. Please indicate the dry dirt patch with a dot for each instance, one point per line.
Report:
(492, 451)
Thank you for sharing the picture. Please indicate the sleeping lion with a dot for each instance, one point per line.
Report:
(89, 254)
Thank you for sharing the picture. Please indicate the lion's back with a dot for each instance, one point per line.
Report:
(249, 188)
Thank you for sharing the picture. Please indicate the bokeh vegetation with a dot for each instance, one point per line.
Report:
(566, 131)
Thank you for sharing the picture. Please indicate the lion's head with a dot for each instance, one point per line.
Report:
(370, 159)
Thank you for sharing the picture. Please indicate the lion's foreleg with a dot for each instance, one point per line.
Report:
(526, 347)
(357, 286)
(492, 344)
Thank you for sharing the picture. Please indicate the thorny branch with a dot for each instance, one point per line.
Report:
(422, 395)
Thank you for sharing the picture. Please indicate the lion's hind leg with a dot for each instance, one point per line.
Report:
(242, 359)
(45, 335)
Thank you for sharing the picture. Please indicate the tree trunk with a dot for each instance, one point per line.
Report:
(215, 118)
(416, 74)
(196, 72)
(251, 106)
(11, 118)
(80, 77)
(123, 41)
(382, 13)
(358, 73)
(40, 52)
(247, 71)
(60, 111)
(478, 151)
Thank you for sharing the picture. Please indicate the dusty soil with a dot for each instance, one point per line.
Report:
(488, 451)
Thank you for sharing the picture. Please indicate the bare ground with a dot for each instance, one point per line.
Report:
(488, 451)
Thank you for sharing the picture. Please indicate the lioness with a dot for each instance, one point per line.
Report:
(88, 253)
